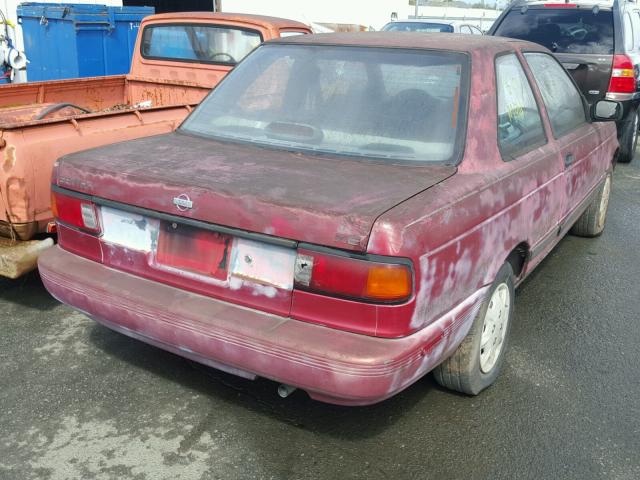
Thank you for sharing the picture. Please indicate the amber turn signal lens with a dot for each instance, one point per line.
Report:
(353, 278)
(389, 282)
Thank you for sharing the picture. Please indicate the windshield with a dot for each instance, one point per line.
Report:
(369, 102)
(417, 27)
(198, 43)
(562, 30)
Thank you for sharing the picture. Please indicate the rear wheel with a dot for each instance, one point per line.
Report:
(629, 138)
(478, 360)
(591, 222)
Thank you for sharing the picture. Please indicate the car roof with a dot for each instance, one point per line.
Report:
(259, 20)
(424, 20)
(436, 41)
(542, 3)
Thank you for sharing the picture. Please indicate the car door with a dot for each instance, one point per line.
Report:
(530, 157)
(577, 139)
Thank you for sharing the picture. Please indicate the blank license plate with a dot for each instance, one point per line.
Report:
(194, 250)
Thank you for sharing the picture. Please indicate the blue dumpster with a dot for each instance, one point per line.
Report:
(70, 40)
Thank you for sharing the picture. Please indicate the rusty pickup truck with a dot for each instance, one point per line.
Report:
(178, 58)
(343, 214)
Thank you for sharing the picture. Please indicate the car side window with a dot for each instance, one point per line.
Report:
(628, 32)
(559, 94)
(519, 123)
(635, 21)
(465, 29)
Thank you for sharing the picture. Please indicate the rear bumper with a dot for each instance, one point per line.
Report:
(331, 365)
(19, 257)
(630, 103)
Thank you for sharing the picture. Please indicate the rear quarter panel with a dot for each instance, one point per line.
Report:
(461, 231)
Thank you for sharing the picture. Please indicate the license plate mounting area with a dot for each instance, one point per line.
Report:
(194, 250)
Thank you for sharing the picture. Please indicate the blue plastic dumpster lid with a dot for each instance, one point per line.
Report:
(79, 12)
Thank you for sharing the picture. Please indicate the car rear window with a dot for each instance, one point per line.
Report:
(406, 105)
(417, 27)
(198, 43)
(561, 30)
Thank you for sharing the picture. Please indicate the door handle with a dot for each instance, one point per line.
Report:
(569, 159)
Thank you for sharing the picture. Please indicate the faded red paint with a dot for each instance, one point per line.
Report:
(457, 226)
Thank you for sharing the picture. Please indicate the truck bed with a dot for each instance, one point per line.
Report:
(22, 104)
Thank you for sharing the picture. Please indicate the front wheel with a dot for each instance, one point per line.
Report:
(478, 360)
(629, 138)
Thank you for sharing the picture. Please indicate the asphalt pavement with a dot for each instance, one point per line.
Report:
(78, 401)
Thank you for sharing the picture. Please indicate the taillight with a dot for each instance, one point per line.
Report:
(623, 78)
(75, 212)
(353, 278)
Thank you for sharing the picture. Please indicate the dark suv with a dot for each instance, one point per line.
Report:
(597, 42)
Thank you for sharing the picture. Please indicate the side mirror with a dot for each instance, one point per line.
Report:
(606, 111)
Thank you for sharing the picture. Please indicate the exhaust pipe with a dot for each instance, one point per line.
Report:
(285, 390)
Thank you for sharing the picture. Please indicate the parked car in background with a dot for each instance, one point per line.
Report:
(431, 25)
(342, 214)
(597, 42)
(178, 58)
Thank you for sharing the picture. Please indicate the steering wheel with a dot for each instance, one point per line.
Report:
(226, 55)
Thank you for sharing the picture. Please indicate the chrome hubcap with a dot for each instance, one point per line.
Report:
(494, 329)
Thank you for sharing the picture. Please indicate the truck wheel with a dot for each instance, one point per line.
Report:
(591, 222)
(629, 139)
(477, 362)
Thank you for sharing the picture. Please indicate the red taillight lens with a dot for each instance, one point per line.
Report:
(352, 277)
(75, 212)
(623, 78)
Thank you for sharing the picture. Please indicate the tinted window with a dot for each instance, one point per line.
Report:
(628, 33)
(198, 43)
(519, 124)
(417, 27)
(370, 102)
(561, 30)
(561, 98)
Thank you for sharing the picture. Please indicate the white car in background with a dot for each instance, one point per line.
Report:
(429, 25)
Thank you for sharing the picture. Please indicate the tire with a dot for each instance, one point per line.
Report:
(629, 138)
(591, 222)
(472, 368)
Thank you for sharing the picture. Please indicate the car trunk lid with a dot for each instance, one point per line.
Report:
(330, 201)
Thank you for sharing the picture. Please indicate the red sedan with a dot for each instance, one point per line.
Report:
(343, 214)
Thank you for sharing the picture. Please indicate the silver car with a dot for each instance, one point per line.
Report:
(429, 25)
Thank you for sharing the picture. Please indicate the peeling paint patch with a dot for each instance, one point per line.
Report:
(9, 158)
(264, 264)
